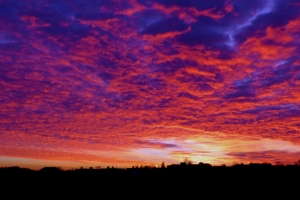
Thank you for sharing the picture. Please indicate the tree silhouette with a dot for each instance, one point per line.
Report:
(163, 165)
(187, 161)
(279, 163)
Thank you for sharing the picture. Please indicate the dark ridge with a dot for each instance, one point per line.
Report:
(190, 180)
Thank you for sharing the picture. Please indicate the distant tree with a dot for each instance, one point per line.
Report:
(152, 166)
(236, 163)
(297, 162)
(51, 169)
(149, 166)
(163, 165)
(146, 166)
(279, 163)
(187, 161)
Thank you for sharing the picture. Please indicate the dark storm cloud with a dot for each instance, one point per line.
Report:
(150, 143)
(168, 25)
(242, 88)
(173, 66)
(280, 13)
(283, 108)
(201, 35)
(188, 95)
(271, 156)
(282, 73)
(199, 4)
(244, 9)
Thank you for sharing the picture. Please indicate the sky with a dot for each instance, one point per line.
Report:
(136, 82)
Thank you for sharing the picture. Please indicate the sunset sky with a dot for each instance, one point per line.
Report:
(131, 82)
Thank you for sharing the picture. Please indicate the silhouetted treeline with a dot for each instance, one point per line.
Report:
(184, 179)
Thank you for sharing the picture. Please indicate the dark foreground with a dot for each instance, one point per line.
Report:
(175, 182)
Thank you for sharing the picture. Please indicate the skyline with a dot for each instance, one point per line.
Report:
(142, 82)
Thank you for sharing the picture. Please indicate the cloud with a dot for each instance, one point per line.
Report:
(276, 16)
(268, 156)
(168, 25)
(108, 76)
(156, 144)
